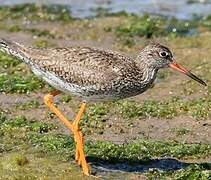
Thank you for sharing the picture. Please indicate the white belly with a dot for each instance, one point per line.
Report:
(57, 83)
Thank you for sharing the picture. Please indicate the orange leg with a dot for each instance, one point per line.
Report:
(76, 124)
(80, 157)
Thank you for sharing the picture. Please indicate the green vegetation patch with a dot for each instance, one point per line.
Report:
(13, 132)
(205, 21)
(43, 43)
(42, 135)
(13, 76)
(197, 108)
(40, 33)
(94, 118)
(181, 131)
(7, 61)
(25, 165)
(19, 122)
(35, 32)
(10, 83)
(147, 109)
(146, 149)
(25, 142)
(146, 26)
(66, 98)
(36, 12)
(194, 171)
(28, 105)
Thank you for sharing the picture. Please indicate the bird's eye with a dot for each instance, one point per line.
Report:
(163, 54)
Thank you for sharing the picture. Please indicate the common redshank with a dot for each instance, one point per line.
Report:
(93, 74)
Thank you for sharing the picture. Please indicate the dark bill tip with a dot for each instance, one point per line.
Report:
(191, 75)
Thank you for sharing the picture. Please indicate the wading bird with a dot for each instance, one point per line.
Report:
(93, 74)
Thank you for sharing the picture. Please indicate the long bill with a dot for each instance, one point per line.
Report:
(181, 69)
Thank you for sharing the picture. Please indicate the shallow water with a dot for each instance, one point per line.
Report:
(180, 9)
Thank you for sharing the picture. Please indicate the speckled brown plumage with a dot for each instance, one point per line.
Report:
(93, 73)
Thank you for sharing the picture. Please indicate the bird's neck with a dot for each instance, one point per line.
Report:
(149, 75)
(148, 72)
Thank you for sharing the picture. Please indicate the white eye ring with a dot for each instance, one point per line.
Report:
(163, 54)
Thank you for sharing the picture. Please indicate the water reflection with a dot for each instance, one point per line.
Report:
(181, 9)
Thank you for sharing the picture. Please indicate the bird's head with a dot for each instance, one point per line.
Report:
(158, 56)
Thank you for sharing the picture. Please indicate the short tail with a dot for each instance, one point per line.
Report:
(13, 48)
